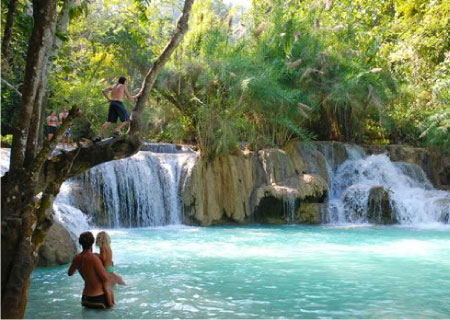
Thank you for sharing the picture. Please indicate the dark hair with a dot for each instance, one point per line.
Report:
(86, 240)
(122, 80)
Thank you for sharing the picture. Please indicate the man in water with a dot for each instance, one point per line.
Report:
(93, 273)
(65, 140)
(52, 122)
(116, 107)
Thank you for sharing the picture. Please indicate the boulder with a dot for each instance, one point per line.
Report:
(379, 207)
(58, 247)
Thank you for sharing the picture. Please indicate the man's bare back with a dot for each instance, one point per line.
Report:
(91, 269)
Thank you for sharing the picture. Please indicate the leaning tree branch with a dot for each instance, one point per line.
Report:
(9, 85)
(150, 78)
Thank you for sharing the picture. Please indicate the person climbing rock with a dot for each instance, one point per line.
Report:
(52, 123)
(116, 107)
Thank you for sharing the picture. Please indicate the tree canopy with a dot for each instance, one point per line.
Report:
(364, 71)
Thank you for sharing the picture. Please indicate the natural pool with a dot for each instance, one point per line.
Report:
(264, 272)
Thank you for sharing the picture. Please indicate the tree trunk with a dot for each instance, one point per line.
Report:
(34, 136)
(28, 193)
(44, 14)
(12, 6)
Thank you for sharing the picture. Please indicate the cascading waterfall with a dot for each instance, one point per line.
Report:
(66, 212)
(142, 190)
(362, 184)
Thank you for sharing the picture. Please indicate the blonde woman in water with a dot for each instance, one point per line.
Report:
(103, 241)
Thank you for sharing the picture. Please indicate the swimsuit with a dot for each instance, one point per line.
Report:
(96, 302)
(93, 302)
(52, 127)
(110, 269)
(117, 110)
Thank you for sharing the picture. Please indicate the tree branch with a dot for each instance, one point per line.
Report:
(150, 78)
(50, 145)
(44, 14)
(9, 85)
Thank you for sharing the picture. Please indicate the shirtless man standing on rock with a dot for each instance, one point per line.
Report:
(93, 273)
(116, 107)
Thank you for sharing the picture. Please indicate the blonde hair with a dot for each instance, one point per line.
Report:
(103, 240)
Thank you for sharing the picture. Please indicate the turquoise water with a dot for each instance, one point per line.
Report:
(264, 272)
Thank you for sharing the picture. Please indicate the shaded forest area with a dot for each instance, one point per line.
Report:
(364, 71)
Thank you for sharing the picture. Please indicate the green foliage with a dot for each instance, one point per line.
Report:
(13, 68)
(353, 70)
(6, 140)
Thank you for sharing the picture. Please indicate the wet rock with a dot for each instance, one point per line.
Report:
(355, 204)
(219, 191)
(276, 164)
(58, 247)
(264, 187)
(379, 207)
(308, 159)
(273, 210)
(311, 213)
(443, 205)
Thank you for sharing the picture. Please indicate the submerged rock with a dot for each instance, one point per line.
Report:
(58, 247)
(379, 207)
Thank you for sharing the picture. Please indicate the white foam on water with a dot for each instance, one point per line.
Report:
(139, 191)
(412, 196)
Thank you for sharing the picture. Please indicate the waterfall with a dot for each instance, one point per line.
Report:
(142, 190)
(364, 187)
(66, 212)
(289, 208)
